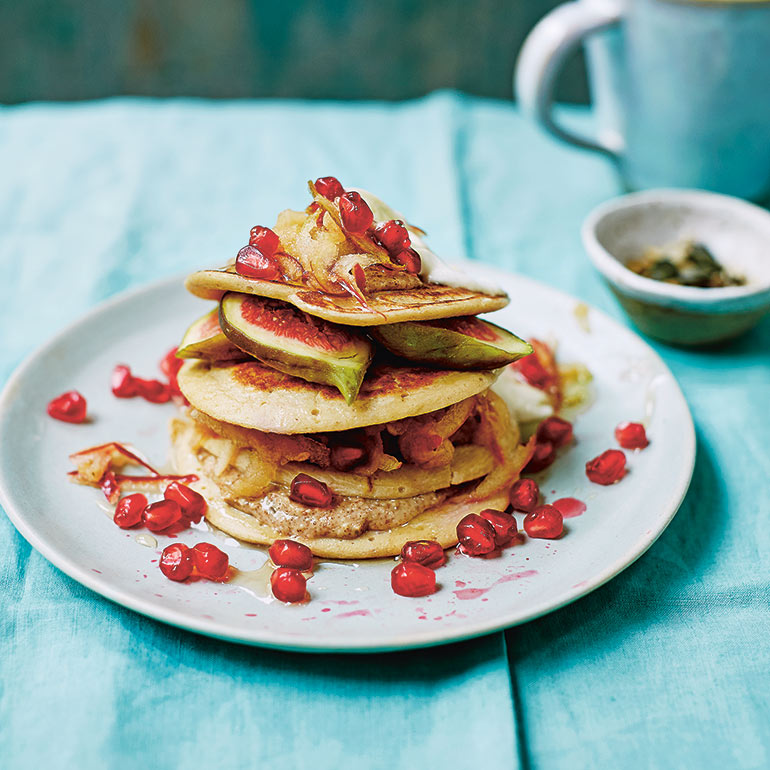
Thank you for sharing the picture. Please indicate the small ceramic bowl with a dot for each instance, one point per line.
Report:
(737, 234)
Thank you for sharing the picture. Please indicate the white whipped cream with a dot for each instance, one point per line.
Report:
(434, 269)
(525, 402)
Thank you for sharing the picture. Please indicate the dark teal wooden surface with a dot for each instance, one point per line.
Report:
(397, 49)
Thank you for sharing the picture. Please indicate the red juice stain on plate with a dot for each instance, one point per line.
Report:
(569, 507)
(475, 593)
(353, 614)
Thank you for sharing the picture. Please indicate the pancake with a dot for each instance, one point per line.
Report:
(355, 527)
(253, 395)
(423, 303)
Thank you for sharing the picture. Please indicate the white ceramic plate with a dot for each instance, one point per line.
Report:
(352, 606)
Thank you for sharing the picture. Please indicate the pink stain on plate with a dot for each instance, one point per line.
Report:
(569, 507)
(475, 593)
(353, 614)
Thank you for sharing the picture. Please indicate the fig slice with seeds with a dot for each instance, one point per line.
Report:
(205, 339)
(296, 343)
(455, 343)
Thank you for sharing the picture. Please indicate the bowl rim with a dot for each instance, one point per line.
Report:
(726, 298)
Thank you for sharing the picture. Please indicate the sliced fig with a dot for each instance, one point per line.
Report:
(205, 339)
(456, 343)
(293, 342)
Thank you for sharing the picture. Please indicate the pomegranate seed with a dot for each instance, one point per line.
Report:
(343, 458)
(393, 236)
(122, 382)
(290, 553)
(631, 435)
(476, 535)
(542, 457)
(128, 512)
(503, 524)
(264, 239)
(533, 371)
(176, 562)
(110, 486)
(289, 585)
(556, 430)
(329, 187)
(309, 491)
(524, 495)
(608, 468)
(170, 365)
(154, 391)
(429, 553)
(252, 263)
(412, 579)
(68, 407)
(544, 522)
(210, 562)
(192, 504)
(410, 259)
(161, 515)
(356, 215)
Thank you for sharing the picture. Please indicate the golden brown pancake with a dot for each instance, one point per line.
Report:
(424, 303)
(361, 524)
(256, 396)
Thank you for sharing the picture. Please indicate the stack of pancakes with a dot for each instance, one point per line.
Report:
(416, 450)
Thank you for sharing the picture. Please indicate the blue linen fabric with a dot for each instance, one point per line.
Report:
(666, 666)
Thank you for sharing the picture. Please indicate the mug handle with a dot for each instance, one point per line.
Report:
(541, 58)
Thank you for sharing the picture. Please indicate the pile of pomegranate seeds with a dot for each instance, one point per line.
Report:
(545, 521)
(306, 490)
(355, 213)
(524, 495)
(631, 435)
(291, 559)
(179, 507)
(415, 575)
(429, 553)
(608, 468)
(204, 560)
(68, 407)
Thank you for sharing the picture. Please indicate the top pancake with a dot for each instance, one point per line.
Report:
(424, 303)
(256, 396)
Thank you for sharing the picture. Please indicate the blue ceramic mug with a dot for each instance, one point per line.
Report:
(680, 89)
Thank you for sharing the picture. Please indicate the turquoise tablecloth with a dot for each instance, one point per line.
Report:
(667, 666)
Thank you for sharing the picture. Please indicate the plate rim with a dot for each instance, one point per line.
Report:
(340, 643)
